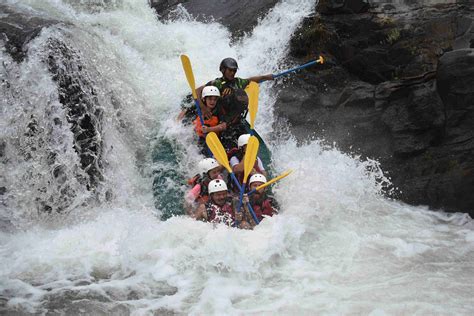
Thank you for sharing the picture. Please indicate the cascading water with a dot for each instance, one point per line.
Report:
(90, 155)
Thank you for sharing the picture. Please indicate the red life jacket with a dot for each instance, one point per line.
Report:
(220, 214)
(213, 121)
(265, 207)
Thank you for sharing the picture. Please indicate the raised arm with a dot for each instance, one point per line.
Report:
(261, 78)
(218, 128)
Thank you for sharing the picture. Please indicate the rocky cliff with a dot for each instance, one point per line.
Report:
(398, 87)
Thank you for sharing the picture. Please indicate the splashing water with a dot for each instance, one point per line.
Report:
(338, 246)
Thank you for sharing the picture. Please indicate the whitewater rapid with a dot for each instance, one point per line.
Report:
(338, 246)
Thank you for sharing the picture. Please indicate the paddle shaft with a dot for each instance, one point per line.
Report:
(319, 60)
(232, 175)
(198, 109)
(295, 69)
(283, 175)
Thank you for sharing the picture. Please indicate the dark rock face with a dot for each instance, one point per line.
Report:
(239, 16)
(385, 93)
(76, 94)
(341, 6)
(17, 29)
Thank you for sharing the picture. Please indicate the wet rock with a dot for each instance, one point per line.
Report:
(77, 95)
(383, 94)
(342, 6)
(3, 147)
(455, 80)
(239, 16)
(83, 110)
(17, 29)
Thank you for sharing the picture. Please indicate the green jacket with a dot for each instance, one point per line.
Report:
(221, 84)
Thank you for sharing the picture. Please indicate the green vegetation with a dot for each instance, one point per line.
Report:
(393, 36)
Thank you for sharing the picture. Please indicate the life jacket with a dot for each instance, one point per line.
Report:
(264, 207)
(220, 214)
(211, 122)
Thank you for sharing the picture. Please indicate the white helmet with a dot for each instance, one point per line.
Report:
(210, 91)
(243, 140)
(217, 185)
(207, 164)
(257, 178)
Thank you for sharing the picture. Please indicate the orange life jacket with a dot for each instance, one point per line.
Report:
(213, 121)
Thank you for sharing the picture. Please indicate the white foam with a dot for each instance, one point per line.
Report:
(338, 246)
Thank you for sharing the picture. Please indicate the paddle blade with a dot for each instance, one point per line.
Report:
(188, 70)
(250, 156)
(320, 59)
(252, 91)
(284, 174)
(218, 150)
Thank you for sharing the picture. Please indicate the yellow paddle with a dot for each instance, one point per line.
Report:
(188, 71)
(250, 157)
(220, 155)
(284, 174)
(252, 91)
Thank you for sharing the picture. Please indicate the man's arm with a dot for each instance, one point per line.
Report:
(261, 78)
(200, 213)
(218, 128)
(237, 166)
(248, 217)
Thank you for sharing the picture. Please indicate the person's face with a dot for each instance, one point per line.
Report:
(254, 185)
(214, 173)
(211, 102)
(219, 197)
(229, 74)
